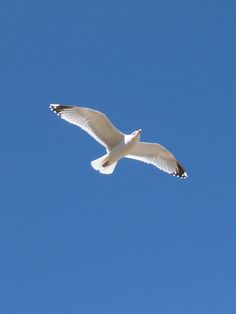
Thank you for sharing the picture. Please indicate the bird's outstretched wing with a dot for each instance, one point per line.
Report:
(158, 156)
(95, 123)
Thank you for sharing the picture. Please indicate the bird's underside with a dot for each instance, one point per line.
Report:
(118, 144)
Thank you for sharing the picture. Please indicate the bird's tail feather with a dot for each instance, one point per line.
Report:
(101, 164)
(108, 169)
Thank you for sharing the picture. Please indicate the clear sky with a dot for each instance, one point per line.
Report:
(139, 241)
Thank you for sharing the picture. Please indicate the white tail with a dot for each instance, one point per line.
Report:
(98, 165)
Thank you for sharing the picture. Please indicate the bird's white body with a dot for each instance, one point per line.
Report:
(107, 163)
(118, 145)
(125, 147)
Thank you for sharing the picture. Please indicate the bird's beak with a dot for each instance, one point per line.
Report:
(140, 130)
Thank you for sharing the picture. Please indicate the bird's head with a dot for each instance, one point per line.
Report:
(137, 132)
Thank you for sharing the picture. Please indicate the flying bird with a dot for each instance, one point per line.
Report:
(118, 144)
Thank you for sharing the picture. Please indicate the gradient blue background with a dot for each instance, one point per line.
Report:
(138, 241)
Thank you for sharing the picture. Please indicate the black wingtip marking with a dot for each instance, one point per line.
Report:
(180, 172)
(59, 108)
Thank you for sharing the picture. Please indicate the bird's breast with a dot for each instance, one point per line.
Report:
(123, 148)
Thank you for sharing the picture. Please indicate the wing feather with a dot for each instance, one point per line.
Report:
(157, 155)
(93, 122)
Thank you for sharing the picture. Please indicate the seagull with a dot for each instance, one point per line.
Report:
(118, 145)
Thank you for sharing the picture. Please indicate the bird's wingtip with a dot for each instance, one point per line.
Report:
(181, 176)
(58, 109)
(51, 106)
(181, 173)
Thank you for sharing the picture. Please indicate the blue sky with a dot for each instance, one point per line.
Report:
(138, 241)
